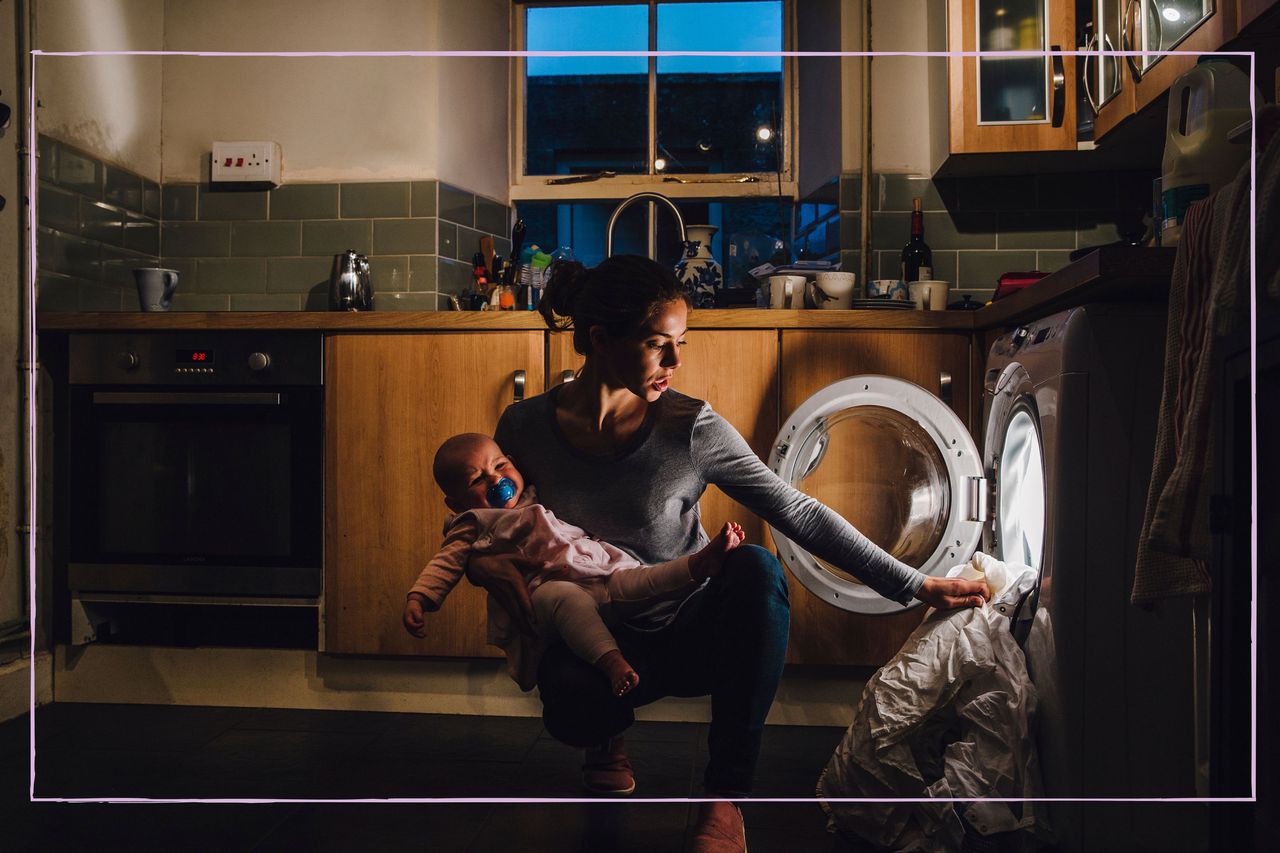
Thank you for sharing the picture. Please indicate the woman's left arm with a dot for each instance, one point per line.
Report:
(725, 459)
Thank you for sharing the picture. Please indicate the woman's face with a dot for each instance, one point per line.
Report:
(645, 362)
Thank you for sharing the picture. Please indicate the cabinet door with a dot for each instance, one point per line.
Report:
(1111, 85)
(811, 360)
(1203, 27)
(736, 371)
(389, 402)
(1012, 103)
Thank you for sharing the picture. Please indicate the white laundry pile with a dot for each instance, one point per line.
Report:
(949, 716)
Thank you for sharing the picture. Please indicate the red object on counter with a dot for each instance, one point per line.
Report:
(1012, 282)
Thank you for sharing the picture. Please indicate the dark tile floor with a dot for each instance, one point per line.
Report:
(92, 751)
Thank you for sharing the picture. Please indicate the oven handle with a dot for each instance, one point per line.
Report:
(187, 398)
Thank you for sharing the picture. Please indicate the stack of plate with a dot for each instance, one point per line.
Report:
(892, 304)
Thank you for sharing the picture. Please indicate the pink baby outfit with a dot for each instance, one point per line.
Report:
(573, 563)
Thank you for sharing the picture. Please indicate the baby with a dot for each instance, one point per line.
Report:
(579, 579)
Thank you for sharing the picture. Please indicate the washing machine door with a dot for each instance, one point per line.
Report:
(898, 464)
(1013, 456)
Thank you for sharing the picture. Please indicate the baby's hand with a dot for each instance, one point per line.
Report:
(414, 622)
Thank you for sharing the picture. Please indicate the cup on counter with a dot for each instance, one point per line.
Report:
(834, 290)
(887, 288)
(155, 287)
(929, 295)
(938, 291)
(786, 291)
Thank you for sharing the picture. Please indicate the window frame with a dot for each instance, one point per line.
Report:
(675, 185)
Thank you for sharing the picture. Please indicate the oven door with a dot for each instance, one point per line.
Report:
(196, 491)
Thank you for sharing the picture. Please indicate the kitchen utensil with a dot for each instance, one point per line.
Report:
(786, 291)
(517, 243)
(887, 288)
(350, 283)
(155, 287)
(832, 290)
(935, 293)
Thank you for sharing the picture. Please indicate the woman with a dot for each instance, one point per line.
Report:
(618, 454)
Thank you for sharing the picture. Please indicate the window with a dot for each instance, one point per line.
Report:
(713, 133)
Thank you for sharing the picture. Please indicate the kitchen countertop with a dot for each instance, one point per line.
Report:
(1108, 274)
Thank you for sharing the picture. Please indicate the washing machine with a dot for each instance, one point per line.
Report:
(1069, 414)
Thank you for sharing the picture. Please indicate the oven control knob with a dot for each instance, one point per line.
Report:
(259, 361)
(127, 361)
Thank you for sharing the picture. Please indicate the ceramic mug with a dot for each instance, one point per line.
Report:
(834, 290)
(155, 287)
(887, 288)
(786, 291)
(934, 294)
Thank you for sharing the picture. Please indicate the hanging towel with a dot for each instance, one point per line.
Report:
(1208, 295)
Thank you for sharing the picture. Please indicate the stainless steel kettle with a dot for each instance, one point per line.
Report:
(350, 285)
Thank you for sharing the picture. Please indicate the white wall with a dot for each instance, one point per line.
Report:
(109, 106)
(907, 115)
(341, 118)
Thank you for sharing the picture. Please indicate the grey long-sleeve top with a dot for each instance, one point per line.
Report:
(644, 497)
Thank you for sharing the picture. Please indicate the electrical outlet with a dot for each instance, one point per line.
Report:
(246, 162)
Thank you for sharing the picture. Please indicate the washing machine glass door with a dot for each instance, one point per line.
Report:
(897, 463)
(1015, 466)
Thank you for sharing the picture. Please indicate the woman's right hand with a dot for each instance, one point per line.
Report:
(503, 577)
(951, 593)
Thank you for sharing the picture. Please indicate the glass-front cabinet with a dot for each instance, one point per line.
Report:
(1014, 95)
(1169, 34)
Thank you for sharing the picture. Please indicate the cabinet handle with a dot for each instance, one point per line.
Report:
(944, 387)
(1126, 40)
(566, 376)
(1059, 87)
(518, 386)
(1115, 68)
(1090, 46)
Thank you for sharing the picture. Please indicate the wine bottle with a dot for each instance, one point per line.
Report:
(917, 260)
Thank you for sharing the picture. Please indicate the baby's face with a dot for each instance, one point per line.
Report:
(475, 468)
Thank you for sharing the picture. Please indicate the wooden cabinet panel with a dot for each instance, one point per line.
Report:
(1206, 38)
(811, 360)
(970, 137)
(737, 372)
(389, 401)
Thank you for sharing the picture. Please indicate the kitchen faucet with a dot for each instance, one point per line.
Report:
(627, 202)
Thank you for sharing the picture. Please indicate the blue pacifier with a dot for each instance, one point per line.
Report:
(500, 492)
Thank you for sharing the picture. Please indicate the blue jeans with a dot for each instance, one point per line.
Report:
(729, 640)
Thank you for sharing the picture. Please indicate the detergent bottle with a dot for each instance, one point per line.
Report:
(1205, 104)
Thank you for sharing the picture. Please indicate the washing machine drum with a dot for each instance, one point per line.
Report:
(899, 465)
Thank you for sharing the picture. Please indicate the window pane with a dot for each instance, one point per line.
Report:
(750, 231)
(1012, 89)
(612, 91)
(711, 109)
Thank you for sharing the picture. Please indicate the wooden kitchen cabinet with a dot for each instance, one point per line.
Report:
(1001, 104)
(736, 370)
(811, 360)
(390, 399)
(1134, 82)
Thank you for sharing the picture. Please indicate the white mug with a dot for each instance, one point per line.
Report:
(155, 287)
(936, 299)
(919, 292)
(834, 290)
(786, 291)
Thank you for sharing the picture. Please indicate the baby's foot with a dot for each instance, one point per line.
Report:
(621, 676)
(708, 562)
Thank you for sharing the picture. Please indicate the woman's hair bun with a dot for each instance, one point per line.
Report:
(564, 286)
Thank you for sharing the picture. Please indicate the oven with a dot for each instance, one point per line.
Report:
(195, 466)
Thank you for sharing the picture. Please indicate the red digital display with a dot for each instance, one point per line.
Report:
(195, 356)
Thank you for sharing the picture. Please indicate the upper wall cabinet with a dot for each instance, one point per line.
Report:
(1122, 86)
(1004, 103)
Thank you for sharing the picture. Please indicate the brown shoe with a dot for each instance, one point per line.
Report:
(606, 770)
(719, 829)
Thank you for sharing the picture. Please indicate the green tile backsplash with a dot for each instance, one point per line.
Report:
(981, 227)
(248, 250)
